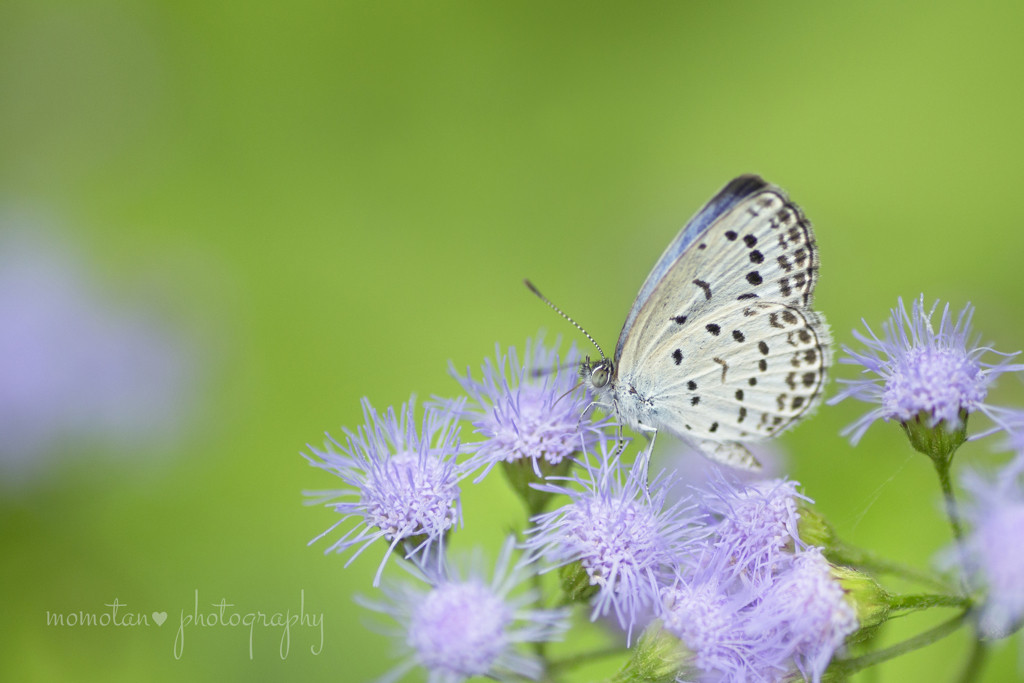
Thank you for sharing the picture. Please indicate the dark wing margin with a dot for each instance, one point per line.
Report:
(729, 196)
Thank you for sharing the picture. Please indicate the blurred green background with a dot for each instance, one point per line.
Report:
(338, 198)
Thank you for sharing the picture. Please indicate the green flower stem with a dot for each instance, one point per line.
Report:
(979, 652)
(843, 668)
(841, 553)
(940, 444)
(573, 661)
(942, 467)
(913, 603)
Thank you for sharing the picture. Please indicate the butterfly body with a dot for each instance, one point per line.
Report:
(722, 345)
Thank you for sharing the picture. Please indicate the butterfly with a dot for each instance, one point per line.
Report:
(722, 346)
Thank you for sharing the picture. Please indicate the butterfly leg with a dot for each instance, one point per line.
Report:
(584, 412)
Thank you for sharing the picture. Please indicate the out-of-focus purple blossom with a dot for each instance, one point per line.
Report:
(462, 627)
(920, 370)
(528, 409)
(804, 615)
(404, 482)
(756, 529)
(76, 366)
(694, 469)
(623, 532)
(994, 555)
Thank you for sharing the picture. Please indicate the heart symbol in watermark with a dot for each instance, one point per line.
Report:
(159, 618)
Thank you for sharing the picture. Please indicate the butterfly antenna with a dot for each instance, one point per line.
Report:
(559, 311)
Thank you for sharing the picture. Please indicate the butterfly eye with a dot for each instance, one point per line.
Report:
(599, 377)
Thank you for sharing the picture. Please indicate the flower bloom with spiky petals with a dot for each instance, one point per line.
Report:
(921, 370)
(532, 408)
(404, 483)
(468, 626)
(757, 525)
(622, 531)
(994, 557)
(804, 615)
(711, 619)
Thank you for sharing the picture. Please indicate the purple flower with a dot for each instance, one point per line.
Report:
(532, 409)
(404, 483)
(995, 559)
(462, 627)
(694, 469)
(712, 622)
(622, 531)
(757, 528)
(919, 370)
(804, 615)
(78, 366)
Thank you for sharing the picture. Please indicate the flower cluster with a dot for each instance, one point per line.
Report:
(729, 577)
(759, 604)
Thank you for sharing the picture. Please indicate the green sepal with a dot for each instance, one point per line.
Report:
(520, 474)
(659, 657)
(813, 528)
(939, 442)
(869, 600)
(575, 582)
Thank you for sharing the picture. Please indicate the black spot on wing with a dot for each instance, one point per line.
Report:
(762, 347)
(705, 286)
(731, 235)
(750, 241)
(679, 319)
(691, 385)
(714, 329)
(756, 256)
(738, 336)
(754, 278)
(677, 356)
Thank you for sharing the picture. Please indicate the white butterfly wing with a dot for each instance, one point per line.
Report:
(725, 346)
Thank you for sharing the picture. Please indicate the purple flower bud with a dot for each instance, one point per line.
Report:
(920, 370)
(404, 482)
(462, 627)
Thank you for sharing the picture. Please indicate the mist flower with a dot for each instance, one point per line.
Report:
(712, 623)
(530, 409)
(756, 527)
(919, 371)
(462, 626)
(804, 615)
(995, 557)
(403, 482)
(623, 532)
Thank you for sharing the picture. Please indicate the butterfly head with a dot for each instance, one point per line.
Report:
(597, 375)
